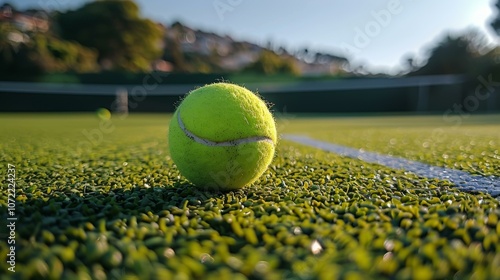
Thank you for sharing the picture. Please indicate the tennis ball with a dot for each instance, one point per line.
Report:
(103, 114)
(222, 137)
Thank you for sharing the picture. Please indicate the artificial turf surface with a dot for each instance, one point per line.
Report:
(104, 201)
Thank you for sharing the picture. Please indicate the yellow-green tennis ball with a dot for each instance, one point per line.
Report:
(222, 137)
(103, 114)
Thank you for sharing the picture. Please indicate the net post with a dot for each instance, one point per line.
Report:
(121, 101)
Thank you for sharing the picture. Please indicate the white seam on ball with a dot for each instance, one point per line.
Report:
(220, 144)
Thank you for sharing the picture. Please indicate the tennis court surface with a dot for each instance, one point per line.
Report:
(102, 199)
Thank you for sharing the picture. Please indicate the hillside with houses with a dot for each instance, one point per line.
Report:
(182, 49)
(223, 53)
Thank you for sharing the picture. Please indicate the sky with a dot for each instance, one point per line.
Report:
(378, 34)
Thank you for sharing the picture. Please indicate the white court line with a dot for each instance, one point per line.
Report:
(463, 180)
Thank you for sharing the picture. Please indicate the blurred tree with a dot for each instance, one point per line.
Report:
(115, 29)
(410, 62)
(173, 54)
(271, 63)
(491, 64)
(45, 54)
(67, 56)
(8, 48)
(21, 54)
(456, 55)
(496, 21)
